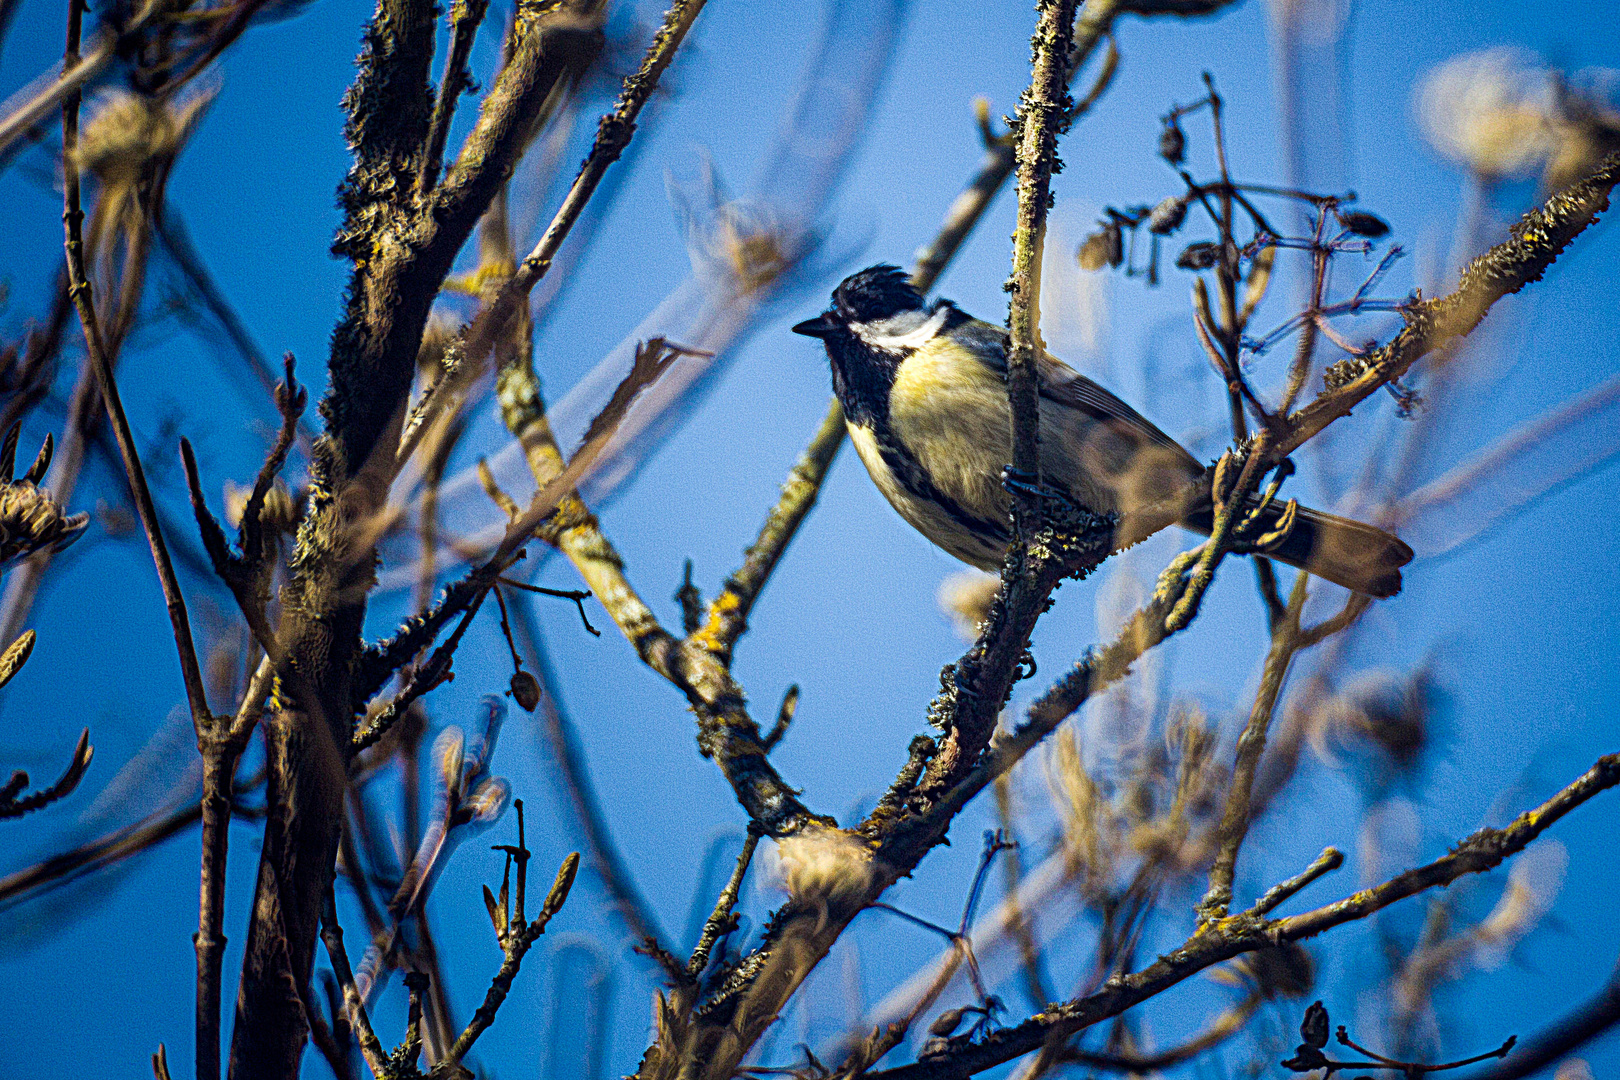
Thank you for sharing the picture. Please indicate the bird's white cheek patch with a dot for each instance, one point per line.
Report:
(912, 339)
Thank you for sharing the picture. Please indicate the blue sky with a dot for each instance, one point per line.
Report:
(1518, 623)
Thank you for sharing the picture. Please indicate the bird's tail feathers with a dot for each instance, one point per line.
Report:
(1360, 557)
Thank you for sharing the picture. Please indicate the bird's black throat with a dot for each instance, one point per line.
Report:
(862, 378)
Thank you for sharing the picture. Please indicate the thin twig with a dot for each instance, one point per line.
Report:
(465, 16)
(1227, 1024)
(12, 807)
(1020, 924)
(722, 921)
(515, 946)
(1593, 1017)
(79, 290)
(1327, 862)
(613, 135)
(1251, 744)
(332, 938)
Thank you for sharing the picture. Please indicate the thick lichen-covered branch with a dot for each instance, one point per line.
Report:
(974, 691)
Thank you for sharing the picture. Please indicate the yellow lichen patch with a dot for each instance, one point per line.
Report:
(711, 636)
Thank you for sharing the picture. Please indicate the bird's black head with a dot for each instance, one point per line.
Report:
(876, 293)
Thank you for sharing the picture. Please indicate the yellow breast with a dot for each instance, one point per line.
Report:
(951, 412)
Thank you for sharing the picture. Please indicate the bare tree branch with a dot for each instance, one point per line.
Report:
(1234, 935)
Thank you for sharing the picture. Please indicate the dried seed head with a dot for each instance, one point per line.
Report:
(128, 145)
(1167, 217)
(1533, 885)
(1587, 127)
(1173, 142)
(525, 690)
(1391, 711)
(1574, 1069)
(1199, 256)
(280, 515)
(1280, 971)
(745, 244)
(1490, 111)
(31, 520)
(1094, 252)
(818, 864)
(125, 136)
(1364, 224)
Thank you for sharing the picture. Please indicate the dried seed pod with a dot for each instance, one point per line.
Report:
(525, 690)
(1259, 279)
(1364, 224)
(946, 1022)
(1199, 256)
(1167, 217)
(1094, 252)
(1173, 142)
(965, 599)
(1314, 1028)
(1116, 243)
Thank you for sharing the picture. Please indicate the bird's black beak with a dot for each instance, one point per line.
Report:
(817, 327)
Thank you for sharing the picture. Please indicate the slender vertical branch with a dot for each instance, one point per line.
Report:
(1251, 744)
(218, 771)
(79, 291)
(1042, 117)
(721, 921)
(464, 19)
(332, 937)
(209, 940)
(519, 939)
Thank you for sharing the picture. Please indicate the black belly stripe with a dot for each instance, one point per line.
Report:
(915, 480)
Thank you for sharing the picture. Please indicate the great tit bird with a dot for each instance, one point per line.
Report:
(924, 392)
